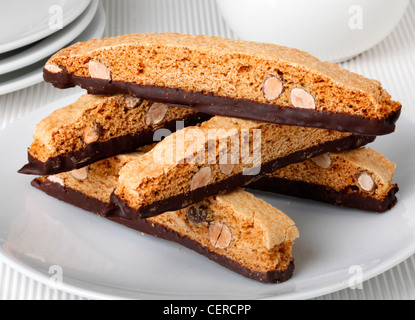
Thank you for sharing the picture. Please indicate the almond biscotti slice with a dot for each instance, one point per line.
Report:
(361, 179)
(236, 230)
(254, 81)
(96, 127)
(218, 156)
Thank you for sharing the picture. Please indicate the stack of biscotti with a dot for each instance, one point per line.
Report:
(96, 127)
(225, 228)
(279, 120)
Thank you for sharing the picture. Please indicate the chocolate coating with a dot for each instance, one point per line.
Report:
(237, 108)
(99, 150)
(82, 201)
(119, 208)
(320, 193)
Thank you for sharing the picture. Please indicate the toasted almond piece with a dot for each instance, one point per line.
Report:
(302, 99)
(56, 179)
(220, 235)
(99, 71)
(91, 134)
(54, 68)
(131, 102)
(323, 161)
(80, 174)
(201, 178)
(227, 163)
(366, 181)
(156, 113)
(272, 88)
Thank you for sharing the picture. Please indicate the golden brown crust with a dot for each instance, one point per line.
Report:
(95, 119)
(363, 170)
(251, 231)
(229, 68)
(171, 168)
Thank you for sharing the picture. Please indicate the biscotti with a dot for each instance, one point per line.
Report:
(218, 156)
(255, 81)
(236, 230)
(360, 179)
(96, 127)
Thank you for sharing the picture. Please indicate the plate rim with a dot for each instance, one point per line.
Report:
(44, 33)
(93, 294)
(54, 42)
(36, 75)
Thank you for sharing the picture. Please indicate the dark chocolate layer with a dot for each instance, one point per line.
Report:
(99, 150)
(119, 208)
(82, 201)
(320, 193)
(237, 108)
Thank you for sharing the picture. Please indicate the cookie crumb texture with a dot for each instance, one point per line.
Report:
(362, 171)
(238, 226)
(150, 179)
(94, 119)
(263, 73)
(99, 179)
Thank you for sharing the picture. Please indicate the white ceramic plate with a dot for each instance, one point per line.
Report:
(33, 74)
(20, 58)
(49, 240)
(25, 22)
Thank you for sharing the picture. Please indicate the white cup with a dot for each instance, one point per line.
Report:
(332, 30)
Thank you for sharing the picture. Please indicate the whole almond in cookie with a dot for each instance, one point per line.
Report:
(51, 67)
(302, 99)
(323, 161)
(201, 178)
(131, 102)
(99, 71)
(272, 88)
(366, 181)
(226, 163)
(91, 134)
(220, 235)
(80, 174)
(156, 113)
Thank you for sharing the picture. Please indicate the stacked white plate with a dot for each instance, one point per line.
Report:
(32, 31)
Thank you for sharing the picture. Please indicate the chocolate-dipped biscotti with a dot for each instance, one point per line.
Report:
(96, 127)
(218, 156)
(236, 230)
(255, 81)
(360, 179)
